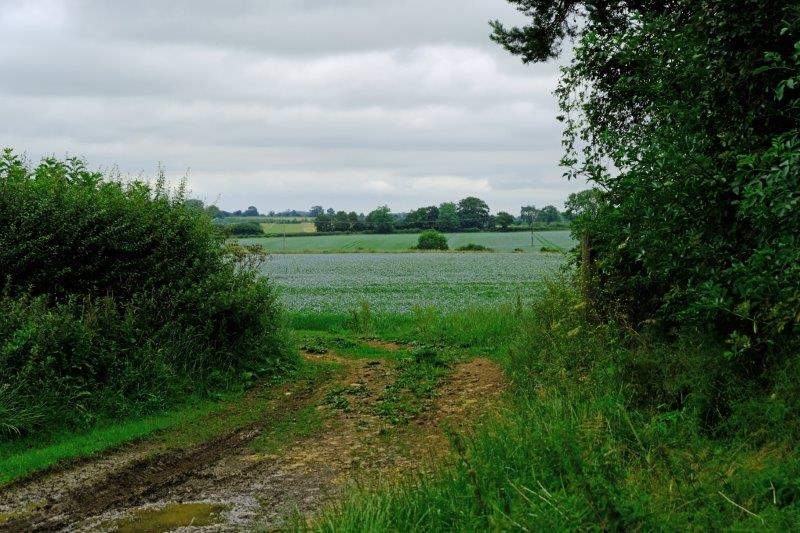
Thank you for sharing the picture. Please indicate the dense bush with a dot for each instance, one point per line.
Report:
(117, 299)
(241, 229)
(687, 115)
(472, 247)
(432, 240)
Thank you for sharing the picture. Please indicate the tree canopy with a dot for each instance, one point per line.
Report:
(381, 220)
(473, 212)
(685, 115)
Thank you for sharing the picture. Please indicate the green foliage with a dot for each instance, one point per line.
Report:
(607, 430)
(432, 240)
(323, 222)
(528, 214)
(424, 217)
(505, 219)
(244, 229)
(583, 205)
(118, 299)
(686, 114)
(472, 247)
(381, 220)
(473, 213)
(548, 214)
(448, 217)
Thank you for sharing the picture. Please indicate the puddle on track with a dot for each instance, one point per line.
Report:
(170, 517)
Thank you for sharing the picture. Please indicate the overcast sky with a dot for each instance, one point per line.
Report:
(286, 103)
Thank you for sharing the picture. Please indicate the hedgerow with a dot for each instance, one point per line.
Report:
(686, 116)
(118, 299)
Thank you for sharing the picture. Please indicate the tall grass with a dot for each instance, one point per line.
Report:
(608, 430)
(476, 330)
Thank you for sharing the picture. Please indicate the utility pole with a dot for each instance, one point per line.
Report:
(532, 245)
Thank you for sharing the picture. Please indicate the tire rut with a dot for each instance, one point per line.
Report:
(247, 488)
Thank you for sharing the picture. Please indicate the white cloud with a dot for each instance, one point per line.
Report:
(285, 103)
(448, 184)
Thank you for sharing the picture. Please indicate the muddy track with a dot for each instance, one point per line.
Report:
(251, 488)
(137, 479)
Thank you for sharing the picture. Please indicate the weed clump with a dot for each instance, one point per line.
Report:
(472, 247)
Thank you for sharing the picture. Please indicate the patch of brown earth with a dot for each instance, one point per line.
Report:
(471, 388)
(384, 345)
(245, 487)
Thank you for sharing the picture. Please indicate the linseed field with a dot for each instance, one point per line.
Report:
(401, 282)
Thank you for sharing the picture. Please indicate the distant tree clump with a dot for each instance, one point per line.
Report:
(432, 240)
(528, 214)
(473, 212)
(323, 222)
(505, 219)
(548, 214)
(213, 211)
(381, 220)
(447, 219)
(242, 229)
(423, 218)
(341, 222)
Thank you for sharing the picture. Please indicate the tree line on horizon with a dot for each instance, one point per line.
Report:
(468, 214)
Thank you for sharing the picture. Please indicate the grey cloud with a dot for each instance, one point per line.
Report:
(275, 102)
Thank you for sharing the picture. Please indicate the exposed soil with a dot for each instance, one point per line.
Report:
(227, 484)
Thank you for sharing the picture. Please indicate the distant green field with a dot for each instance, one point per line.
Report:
(399, 242)
(264, 218)
(295, 227)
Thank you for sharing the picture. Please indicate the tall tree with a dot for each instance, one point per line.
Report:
(583, 204)
(548, 214)
(381, 220)
(505, 219)
(447, 219)
(323, 222)
(341, 221)
(685, 114)
(473, 212)
(528, 214)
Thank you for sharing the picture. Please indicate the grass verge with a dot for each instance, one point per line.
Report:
(608, 430)
(193, 423)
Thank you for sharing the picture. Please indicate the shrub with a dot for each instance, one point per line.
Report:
(118, 299)
(244, 228)
(472, 247)
(432, 240)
